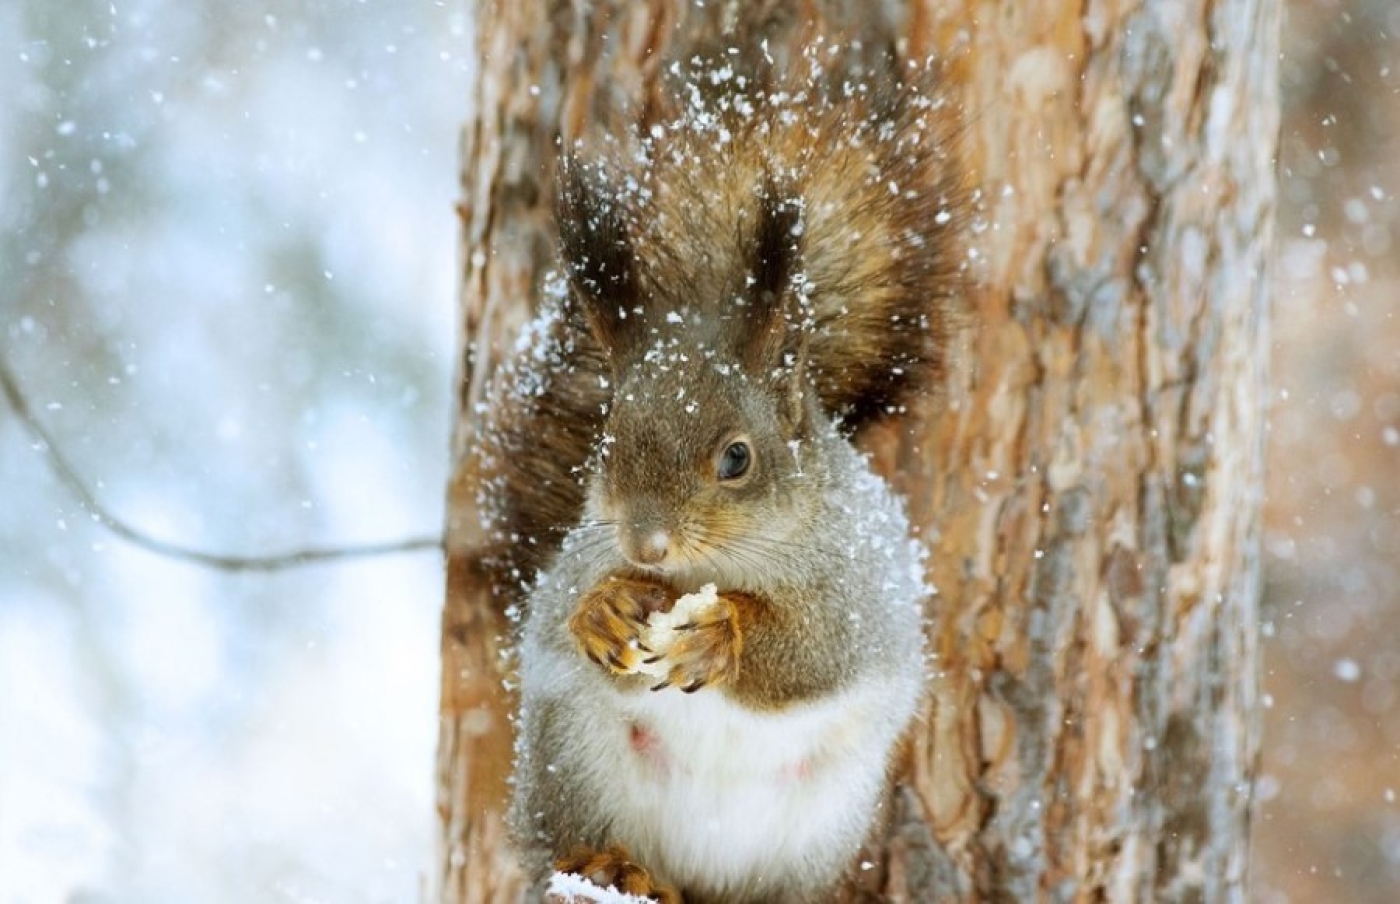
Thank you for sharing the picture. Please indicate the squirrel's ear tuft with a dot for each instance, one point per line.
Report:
(774, 342)
(772, 327)
(775, 242)
(597, 251)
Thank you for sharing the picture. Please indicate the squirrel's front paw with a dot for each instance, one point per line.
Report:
(610, 619)
(614, 868)
(705, 650)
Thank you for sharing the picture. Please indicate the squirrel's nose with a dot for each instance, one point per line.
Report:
(649, 546)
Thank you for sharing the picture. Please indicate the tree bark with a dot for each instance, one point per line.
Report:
(1089, 485)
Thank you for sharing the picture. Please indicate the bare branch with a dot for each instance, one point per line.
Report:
(70, 478)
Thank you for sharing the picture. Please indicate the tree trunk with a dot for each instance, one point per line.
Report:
(1090, 484)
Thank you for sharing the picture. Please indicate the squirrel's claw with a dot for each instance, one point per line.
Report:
(610, 618)
(706, 650)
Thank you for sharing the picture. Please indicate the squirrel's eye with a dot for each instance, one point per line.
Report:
(734, 462)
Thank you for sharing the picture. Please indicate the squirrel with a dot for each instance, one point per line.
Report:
(722, 635)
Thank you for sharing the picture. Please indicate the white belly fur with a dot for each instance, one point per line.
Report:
(723, 794)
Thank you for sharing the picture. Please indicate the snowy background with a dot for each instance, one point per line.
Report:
(227, 255)
(226, 285)
(1328, 821)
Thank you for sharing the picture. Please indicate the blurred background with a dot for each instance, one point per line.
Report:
(227, 260)
(1328, 820)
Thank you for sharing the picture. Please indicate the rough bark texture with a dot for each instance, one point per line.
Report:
(1090, 485)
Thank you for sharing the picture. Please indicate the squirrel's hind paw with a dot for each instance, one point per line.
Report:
(614, 868)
